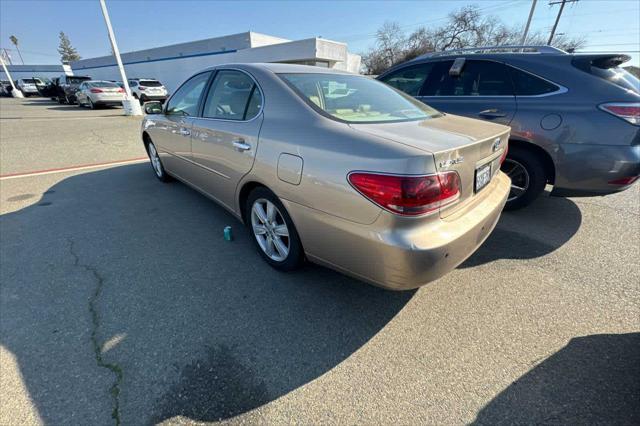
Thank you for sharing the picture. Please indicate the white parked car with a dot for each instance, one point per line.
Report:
(96, 93)
(27, 86)
(148, 89)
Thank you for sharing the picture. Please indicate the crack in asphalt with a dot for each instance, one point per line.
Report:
(95, 320)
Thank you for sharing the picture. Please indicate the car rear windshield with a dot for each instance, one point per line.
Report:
(356, 99)
(150, 83)
(29, 80)
(77, 80)
(103, 84)
(606, 67)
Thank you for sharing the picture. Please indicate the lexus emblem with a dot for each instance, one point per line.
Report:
(496, 145)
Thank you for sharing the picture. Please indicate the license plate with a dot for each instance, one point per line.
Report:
(483, 177)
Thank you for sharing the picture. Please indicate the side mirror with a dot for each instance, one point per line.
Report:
(153, 107)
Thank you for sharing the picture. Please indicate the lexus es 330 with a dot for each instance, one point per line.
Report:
(335, 168)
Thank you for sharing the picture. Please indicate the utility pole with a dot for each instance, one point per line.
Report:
(14, 92)
(131, 105)
(555, 25)
(526, 28)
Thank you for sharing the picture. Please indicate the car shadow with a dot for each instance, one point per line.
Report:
(593, 380)
(122, 299)
(532, 232)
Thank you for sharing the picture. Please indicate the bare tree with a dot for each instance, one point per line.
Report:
(466, 27)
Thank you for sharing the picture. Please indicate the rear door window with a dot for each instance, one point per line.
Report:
(229, 95)
(478, 78)
(410, 80)
(526, 84)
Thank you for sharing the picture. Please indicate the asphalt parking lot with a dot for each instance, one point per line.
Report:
(120, 301)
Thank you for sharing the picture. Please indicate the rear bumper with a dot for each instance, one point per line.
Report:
(400, 256)
(587, 170)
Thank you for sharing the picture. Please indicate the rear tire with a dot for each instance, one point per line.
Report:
(528, 177)
(273, 231)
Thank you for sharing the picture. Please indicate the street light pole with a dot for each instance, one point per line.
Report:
(14, 92)
(526, 28)
(131, 105)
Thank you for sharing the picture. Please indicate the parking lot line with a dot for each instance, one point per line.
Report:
(72, 168)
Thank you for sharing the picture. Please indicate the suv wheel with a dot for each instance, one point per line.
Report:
(528, 177)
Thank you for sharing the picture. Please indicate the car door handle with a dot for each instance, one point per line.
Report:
(241, 145)
(491, 113)
(185, 132)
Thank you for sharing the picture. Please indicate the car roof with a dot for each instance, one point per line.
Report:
(281, 68)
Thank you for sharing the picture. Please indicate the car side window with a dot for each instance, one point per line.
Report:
(186, 99)
(478, 78)
(228, 97)
(409, 80)
(255, 104)
(526, 84)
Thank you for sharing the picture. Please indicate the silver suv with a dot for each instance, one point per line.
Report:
(148, 89)
(575, 118)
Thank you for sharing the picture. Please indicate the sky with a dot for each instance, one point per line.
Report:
(607, 25)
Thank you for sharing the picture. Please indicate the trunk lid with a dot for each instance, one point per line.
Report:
(456, 143)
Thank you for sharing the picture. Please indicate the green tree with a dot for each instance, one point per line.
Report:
(14, 40)
(67, 52)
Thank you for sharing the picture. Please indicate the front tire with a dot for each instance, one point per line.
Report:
(528, 177)
(156, 163)
(273, 231)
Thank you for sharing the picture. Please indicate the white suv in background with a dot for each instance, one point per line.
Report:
(148, 89)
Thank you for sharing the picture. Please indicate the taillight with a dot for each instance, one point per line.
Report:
(627, 111)
(121, 90)
(96, 90)
(408, 195)
(141, 88)
(624, 181)
(504, 153)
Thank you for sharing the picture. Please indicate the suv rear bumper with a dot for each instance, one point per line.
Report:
(145, 98)
(585, 170)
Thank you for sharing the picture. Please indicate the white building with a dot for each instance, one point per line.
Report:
(30, 71)
(175, 63)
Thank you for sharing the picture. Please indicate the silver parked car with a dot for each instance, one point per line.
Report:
(338, 168)
(97, 93)
(575, 118)
(27, 86)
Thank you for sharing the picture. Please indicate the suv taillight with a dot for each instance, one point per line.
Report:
(627, 111)
(408, 195)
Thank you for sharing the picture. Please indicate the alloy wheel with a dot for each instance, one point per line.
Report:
(270, 230)
(520, 179)
(155, 160)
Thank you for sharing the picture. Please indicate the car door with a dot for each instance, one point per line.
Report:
(480, 89)
(225, 137)
(171, 131)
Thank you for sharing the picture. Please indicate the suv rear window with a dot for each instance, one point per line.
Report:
(29, 81)
(606, 67)
(150, 83)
